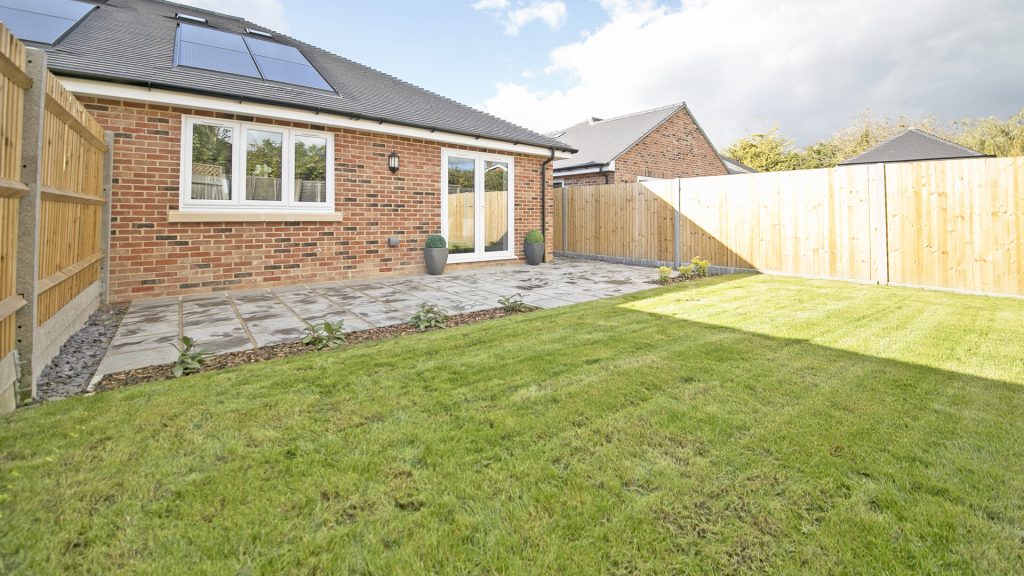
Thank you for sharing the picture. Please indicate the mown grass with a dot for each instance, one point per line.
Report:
(734, 425)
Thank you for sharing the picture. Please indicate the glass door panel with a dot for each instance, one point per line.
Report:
(461, 205)
(495, 212)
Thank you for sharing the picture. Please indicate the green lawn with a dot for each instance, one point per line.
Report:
(733, 425)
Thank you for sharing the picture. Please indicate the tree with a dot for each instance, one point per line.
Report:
(765, 151)
(993, 136)
(771, 151)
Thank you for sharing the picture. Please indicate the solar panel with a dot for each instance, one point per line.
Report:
(43, 21)
(274, 50)
(210, 49)
(286, 64)
(291, 73)
(210, 37)
(214, 50)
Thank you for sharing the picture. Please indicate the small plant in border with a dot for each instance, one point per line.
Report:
(428, 316)
(700, 266)
(325, 335)
(697, 268)
(664, 274)
(190, 359)
(512, 303)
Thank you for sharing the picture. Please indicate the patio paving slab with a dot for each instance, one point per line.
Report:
(232, 321)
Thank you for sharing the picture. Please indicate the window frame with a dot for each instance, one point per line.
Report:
(479, 161)
(239, 150)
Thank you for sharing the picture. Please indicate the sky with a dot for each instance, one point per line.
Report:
(742, 66)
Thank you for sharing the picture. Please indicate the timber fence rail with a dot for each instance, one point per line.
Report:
(54, 215)
(948, 224)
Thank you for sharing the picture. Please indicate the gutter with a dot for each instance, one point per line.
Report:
(544, 200)
(271, 102)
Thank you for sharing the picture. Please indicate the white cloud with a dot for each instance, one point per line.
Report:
(490, 4)
(808, 66)
(269, 13)
(553, 13)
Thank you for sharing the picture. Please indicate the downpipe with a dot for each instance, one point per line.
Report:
(544, 201)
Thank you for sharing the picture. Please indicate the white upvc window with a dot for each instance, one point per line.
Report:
(239, 166)
(478, 205)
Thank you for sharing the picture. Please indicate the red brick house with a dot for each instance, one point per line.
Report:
(665, 142)
(246, 158)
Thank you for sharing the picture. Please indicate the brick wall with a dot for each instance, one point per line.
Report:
(150, 256)
(675, 149)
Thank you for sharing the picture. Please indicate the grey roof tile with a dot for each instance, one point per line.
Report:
(734, 166)
(914, 144)
(600, 141)
(132, 41)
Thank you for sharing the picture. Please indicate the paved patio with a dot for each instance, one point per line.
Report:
(233, 321)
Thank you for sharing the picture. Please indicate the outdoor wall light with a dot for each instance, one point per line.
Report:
(393, 162)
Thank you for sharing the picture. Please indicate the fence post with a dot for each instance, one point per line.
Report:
(676, 217)
(108, 180)
(565, 218)
(28, 219)
(879, 224)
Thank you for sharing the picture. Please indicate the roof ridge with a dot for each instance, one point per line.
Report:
(206, 10)
(941, 139)
(675, 105)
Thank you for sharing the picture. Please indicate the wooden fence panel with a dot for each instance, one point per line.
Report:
(631, 221)
(14, 81)
(957, 224)
(949, 224)
(71, 212)
(807, 222)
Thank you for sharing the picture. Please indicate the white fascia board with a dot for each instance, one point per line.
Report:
(609, 167)
(214, 104)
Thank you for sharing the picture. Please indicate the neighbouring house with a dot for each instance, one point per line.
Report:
(910, 146)
(666, 142)
(734, 166)
(246, 158)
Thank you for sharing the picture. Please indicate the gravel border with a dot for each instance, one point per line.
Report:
(70, 372)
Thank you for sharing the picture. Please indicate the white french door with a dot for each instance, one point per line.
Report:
(477, 205)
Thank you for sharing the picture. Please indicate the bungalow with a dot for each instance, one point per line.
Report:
(664, 142)
(911, 146)
(244, 158)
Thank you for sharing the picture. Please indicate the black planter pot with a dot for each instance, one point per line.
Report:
(534, 253)
(436, 259)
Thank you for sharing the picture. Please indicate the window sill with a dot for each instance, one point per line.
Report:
(214, 216)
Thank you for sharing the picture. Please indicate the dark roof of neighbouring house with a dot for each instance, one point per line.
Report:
(599, 141)
(132, 42)
(913, 145)
(734, 166)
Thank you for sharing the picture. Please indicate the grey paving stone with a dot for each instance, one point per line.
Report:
(224, 345)
(120, 344)
(153, 327)
(279, 336)
(119, 362)
(216, 332)
(274, 324)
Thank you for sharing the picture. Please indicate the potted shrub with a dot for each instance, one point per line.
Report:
(435, 252)
(533, 245)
